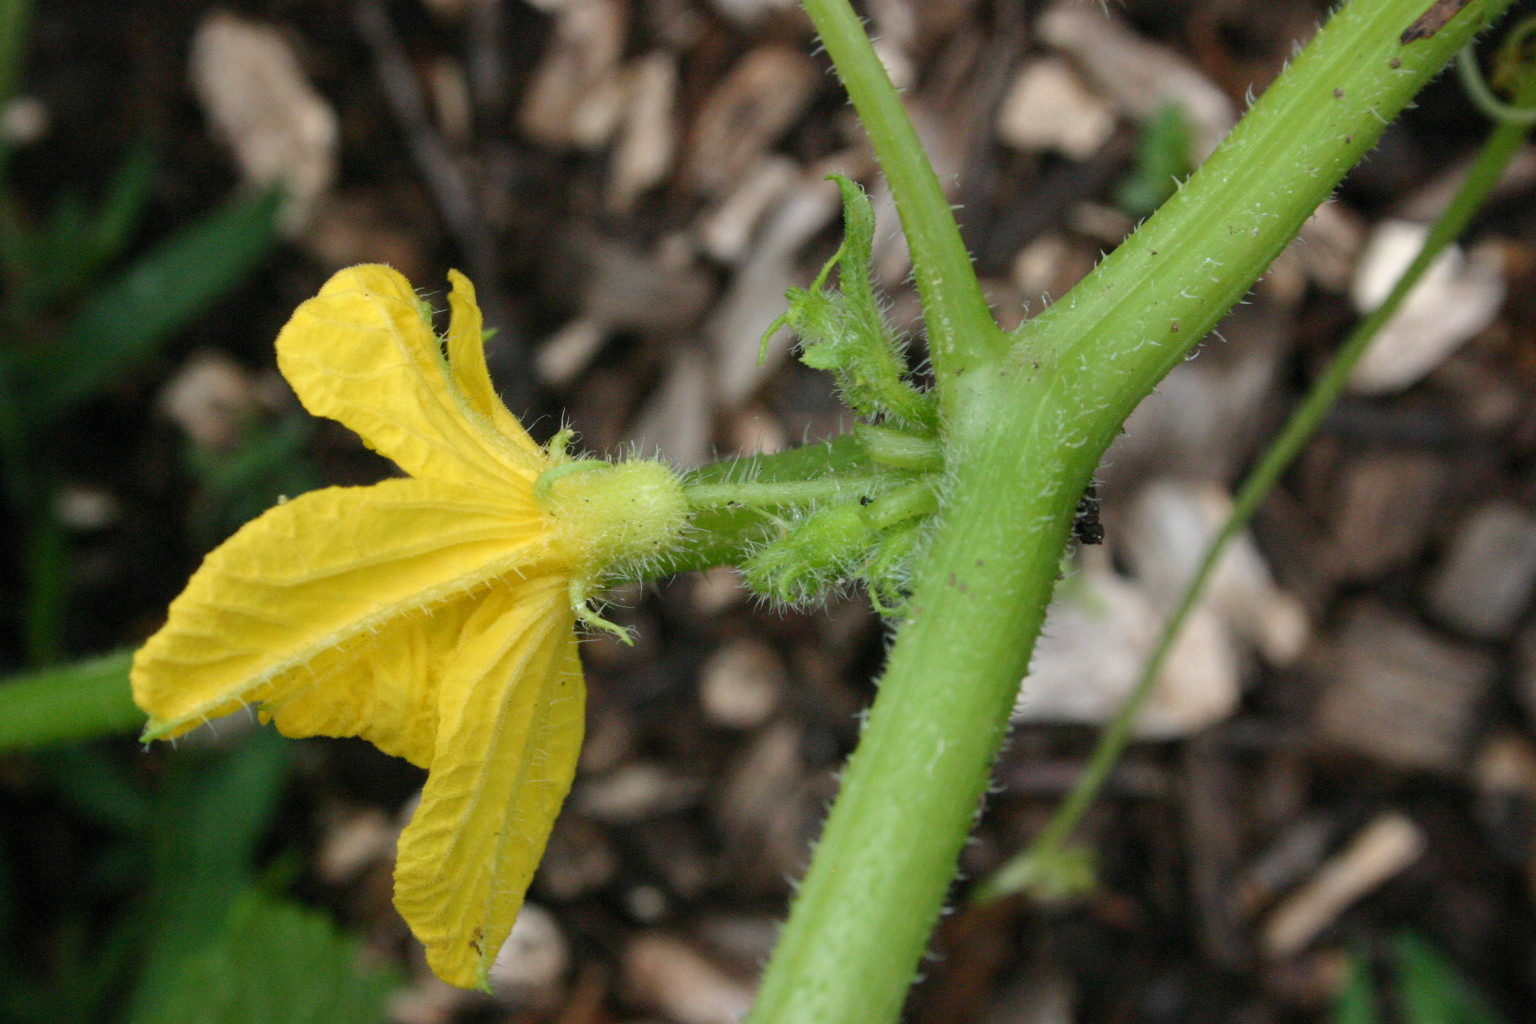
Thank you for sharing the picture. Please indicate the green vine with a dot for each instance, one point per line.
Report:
(1023, 423)
(1047, 867)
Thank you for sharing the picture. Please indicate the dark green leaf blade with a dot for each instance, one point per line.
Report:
(1431, 989)
(208, 823)
(126, 320)
(1356, 1000)
(276, 963)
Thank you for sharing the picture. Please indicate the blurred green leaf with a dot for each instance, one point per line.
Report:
(111, 961)
(276, 963)
(194, 843)
(16, 241)
(267, 464)
(83, 963)
(90, 965)
(95, 786)
(123, 206)
(15, 26)
(54, 263)
(56, 249)
(45, 569)
(1356, 1001)
(87, 699)
(1426, 989)
(124, 321)
(1430, 988)
(1163, 158)
(207, 824)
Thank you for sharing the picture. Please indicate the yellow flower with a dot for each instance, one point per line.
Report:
(433, 616)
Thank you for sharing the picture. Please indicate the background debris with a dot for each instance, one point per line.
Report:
(1377, 852)
(259, 101)
(1457, 297)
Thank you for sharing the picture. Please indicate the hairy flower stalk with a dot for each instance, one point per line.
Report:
(433, 616)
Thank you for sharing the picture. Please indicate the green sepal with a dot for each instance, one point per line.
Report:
(831, 547)
(915, 499)
(888, 574)
(813, 554)
(814, 550)
(843, 331)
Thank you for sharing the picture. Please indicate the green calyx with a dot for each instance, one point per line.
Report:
(821, 550)
(831, 541)
(613, 517)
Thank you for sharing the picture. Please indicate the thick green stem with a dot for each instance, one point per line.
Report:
(961, 330)
(1500, 148)
(1023, 433)
(73, 702)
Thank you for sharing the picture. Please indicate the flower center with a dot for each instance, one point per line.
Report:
(613, 515)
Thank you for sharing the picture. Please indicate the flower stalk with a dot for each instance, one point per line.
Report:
(960, 328)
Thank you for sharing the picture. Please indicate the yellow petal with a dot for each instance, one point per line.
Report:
(361, 352)
(319, 573)
(466, 360)
(382, 687)
(509, 728)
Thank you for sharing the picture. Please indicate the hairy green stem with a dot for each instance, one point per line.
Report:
(1499, 149)
(961, 330)
(72, 702)
(727, 530)
(1477, 87)
(780, 493)
(1023, 431)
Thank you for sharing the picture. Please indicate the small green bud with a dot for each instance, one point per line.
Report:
(890, 568)
(921, 453)
(843, 332)
(815, 553)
